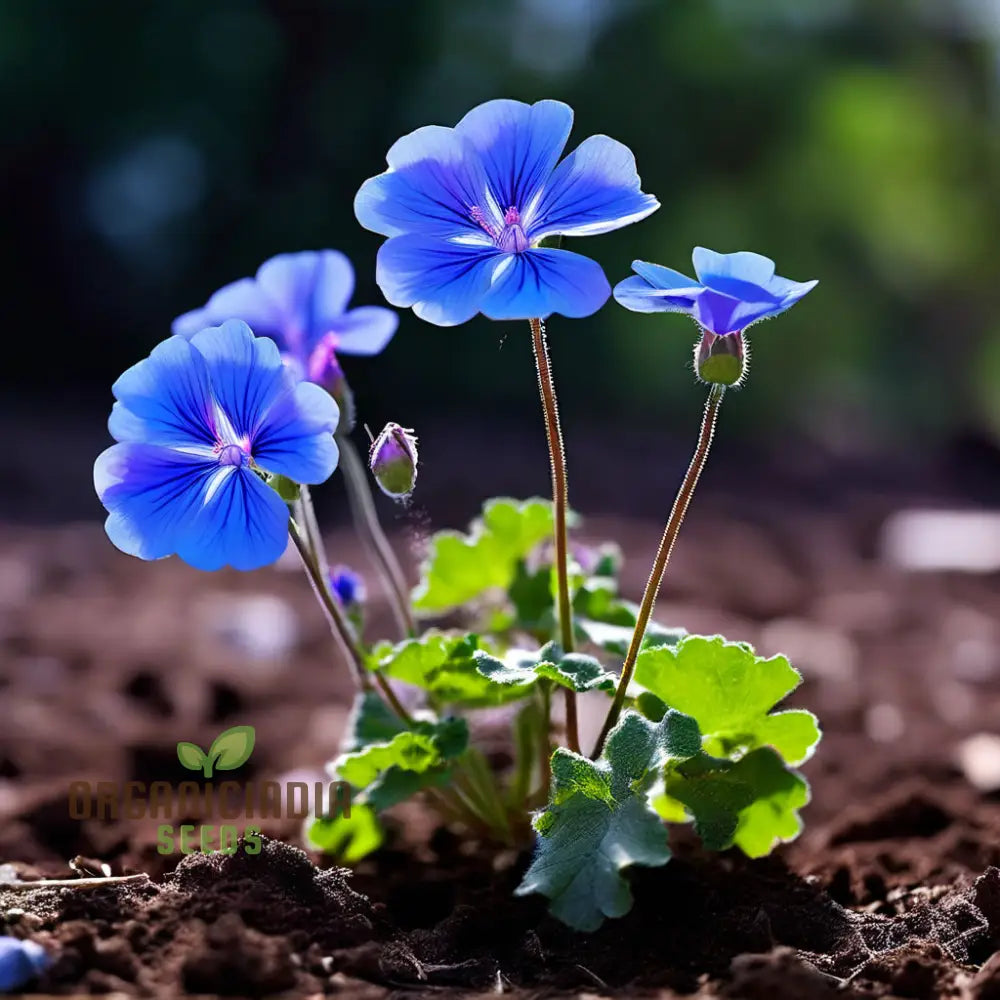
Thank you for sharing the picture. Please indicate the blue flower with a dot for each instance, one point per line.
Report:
(20, 962)
(733, 290)
(300, 301)
(347, 586)
(198, 422)
(466, 209)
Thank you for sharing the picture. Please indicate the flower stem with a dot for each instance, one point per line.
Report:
(340, 627)
(670, 532)
(560, 504)
(366, 521)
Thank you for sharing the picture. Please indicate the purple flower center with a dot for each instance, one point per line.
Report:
(231, 454)
(512, 238)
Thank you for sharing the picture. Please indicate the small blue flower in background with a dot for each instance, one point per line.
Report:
(197, 421)
(20, 962)
(466, 208)
(300, 301)
(347, 586)
(733, 290)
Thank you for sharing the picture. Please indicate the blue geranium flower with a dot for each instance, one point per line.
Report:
(300, 301)
(199, 422)
(466, 209)
(733, 290)
(347, 586)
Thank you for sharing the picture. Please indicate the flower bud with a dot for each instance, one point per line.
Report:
(393, 461)
(721, 360)
(348, 588)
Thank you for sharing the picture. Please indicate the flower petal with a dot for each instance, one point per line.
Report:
(165, 399)
(333, 286)
(246, 374)
(434, 180)
(665, 278)
(151, 493)
(519, 144)
(537, 283)
(365, 330)
(243, 299)
(724, 314)
(637, 294)
(594, 190)
(742, 275)
(296, 436)
(445, 282)
(242, 523)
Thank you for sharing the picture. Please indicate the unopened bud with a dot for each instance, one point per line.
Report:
(721, 360)
(347, 586)
(393, 461)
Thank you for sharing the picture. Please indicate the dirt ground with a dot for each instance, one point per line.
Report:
(893, 889)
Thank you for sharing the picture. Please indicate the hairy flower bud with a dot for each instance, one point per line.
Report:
(393, 461)
(721, 360)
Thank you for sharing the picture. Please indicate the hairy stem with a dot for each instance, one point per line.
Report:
(366, 521)
(560, 504)
(670, 532)
(340, 627)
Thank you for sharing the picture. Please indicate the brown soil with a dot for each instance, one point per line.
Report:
(893, 890)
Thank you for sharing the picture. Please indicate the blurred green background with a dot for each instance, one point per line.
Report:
(153, 151)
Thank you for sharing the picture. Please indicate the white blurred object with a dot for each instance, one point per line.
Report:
(884, 723)
(261, 626)
(963, 540)
(979, 757)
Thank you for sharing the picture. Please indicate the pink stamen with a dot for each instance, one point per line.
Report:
(478, 216)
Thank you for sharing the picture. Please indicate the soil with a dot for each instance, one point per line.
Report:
(893, 890)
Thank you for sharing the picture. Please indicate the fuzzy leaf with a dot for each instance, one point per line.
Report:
(416, 750)
(599, 821)
(752, 803)
(576, 671)
(447, 667)
(371, 721)
(603, 618)
(730, 691)
(461, 567)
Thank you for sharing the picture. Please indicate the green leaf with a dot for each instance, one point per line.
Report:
(191, 756)
(371, 721)
(447, 667)
(576, 671)
(730, 691)
(599, 821)
(752, 803)
(603, 618)
(409, 751)
(461, 567)
(347, 838)
(232, 748)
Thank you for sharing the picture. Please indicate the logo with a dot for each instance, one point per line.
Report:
(229, 750)
(206, 799)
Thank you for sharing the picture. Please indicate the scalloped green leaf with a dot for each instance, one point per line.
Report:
(752, 803)
(576, 671)
(447, 667)
(599, 822)
(461, 567)
(730, 691)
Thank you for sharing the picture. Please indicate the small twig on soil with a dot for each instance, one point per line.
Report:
(72, 883)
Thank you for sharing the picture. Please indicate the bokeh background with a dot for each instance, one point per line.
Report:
(153, 152)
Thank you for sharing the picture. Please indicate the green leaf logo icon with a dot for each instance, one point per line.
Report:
(229, 750)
